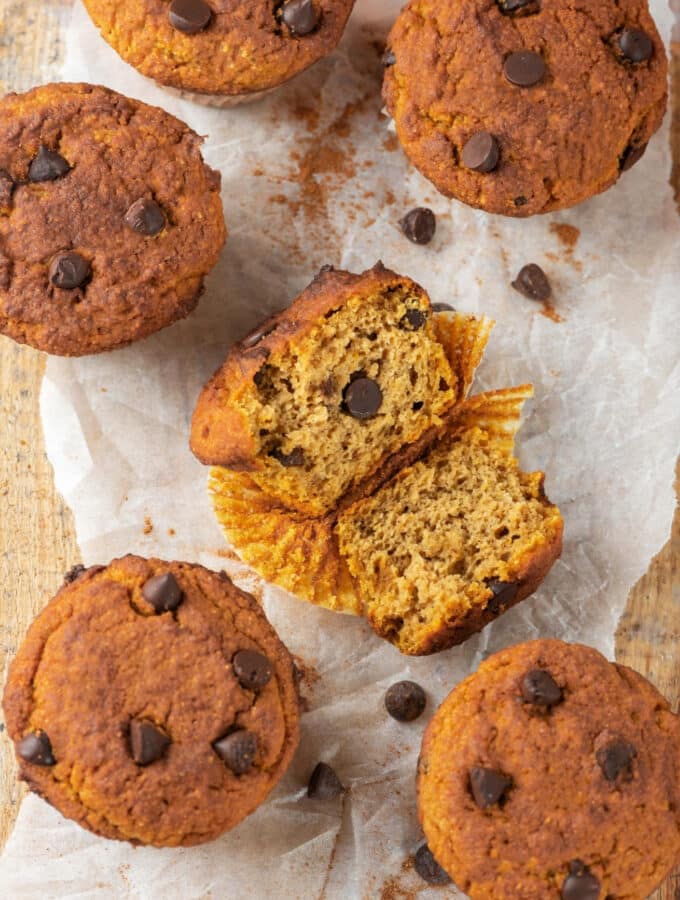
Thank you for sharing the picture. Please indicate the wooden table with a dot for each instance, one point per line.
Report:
(37, 540)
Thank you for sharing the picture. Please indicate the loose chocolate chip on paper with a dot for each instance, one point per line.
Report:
(294, 459)
(428, 868)
(503, 594)
(163, 592)
(48, 165)
(300, 16)
(533, 282)
(481, 152)
(580, 883)
(616, 759)
(69, 271)
(405, 701)
(237, 750)
(363, 398)
(524, 68)
(145, 217)
(189, 16)
(324, 783)
(635, 45)
(252, 669)
(539, 688)
(147, 742)
(419, 225)
(36, 748)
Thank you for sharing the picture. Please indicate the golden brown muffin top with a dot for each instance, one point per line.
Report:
(551, 773)
(109, 219)
(152, 702)
(549, 128)
(221, 46)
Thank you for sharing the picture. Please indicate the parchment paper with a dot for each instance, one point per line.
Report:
(312, 175)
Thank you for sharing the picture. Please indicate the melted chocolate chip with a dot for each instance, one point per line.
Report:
(324, 783)
(163, 592)
(419, 225)
(36, 748)
(580, 883)
(189, 16)
(488, 786)
(362, 398)
(252, 669)
(48, 165)
(147, 742)
(428, 868)
(533, 283)
(616, 760)
(292, 460)
(145, 217)
(237, 750)
(539, 688)
(405, 701)
(520, 201)
(69, 271)
(524, 68)
(300, 16)
(481, 152)
(504, 592)
(636, 46)
(631, 155)
(521, 7)
(414, 319)
(442, 307)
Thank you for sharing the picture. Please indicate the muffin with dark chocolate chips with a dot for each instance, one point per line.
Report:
(521, 107)
(152, 702)
(551, 773)
(109, 219)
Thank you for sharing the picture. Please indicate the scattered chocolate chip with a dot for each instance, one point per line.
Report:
(635, 45)
(481, 152)
(363, 398)
(163, 592)
(48, 165)
(414, 319)
(189, 16)
(145, 217)
(524, 68)
(252, 669)
(428, 868)
(324, 783)
(616, 759)
(442, 307)
(631, 155)
(580, 883)
(37, 749)
(488, 786)
(294, 459)
(533, 283)
(419, 225)
(508, 7)
(6, 189)
(405, 701)
(69, 271)
(504, 592)
(250, 340)
(147, 742)
(301, 16)
(540, 689)
(388, 58)
(237, 750)
(73, 573)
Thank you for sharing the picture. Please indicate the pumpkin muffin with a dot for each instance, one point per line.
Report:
(152, 702)
(551, 773)
(109, 219)
(519, 106)
(221, 51)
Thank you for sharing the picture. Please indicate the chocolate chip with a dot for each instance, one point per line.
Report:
(301, 16)
(414, 319)
(428, 868)
(580, 883)
(145, 217)
(419, 225)
(631, 155)
(520, 201)
(324, 783)
(73, 573)
(189, 16)
(163, 592)
(250, 340)
(481, 152)
(388, 58)
(616, 759)
(524, 68)
(540, 689)
(252, 669)
(69, 271)
(294, 459)
(48, 165)
(237, 750)
(37, 749)
(6, 189)
(488, 786)
(533, 283)
(508, 7)
(363, 398)
(443, 384)
(442, 307)
(504, 592)
(405, 701)
(635, 45)
(147, 742)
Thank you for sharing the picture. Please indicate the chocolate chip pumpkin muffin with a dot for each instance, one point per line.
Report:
(521, 107)
(551, 773)
(109, 219)
(221, 49)
(152, 702)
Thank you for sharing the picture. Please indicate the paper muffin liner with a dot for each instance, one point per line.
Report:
(222, 101)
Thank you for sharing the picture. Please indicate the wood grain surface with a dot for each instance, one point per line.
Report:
(37, 541)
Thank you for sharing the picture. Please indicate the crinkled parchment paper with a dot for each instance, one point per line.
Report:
(312, 175)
